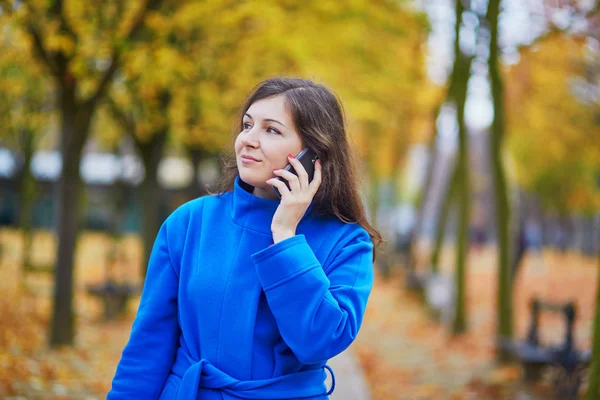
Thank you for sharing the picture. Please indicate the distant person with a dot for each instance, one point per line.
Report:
(478, 237)
(534, 244)
(561, 239)
(533, 235)
(478, 231)
(248, 296)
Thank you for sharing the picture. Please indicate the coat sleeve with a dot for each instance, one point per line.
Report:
(148, 356)
(318, 311)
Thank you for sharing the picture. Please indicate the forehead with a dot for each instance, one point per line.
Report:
(271, 107)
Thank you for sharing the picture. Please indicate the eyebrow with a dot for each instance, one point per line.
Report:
(266, 119)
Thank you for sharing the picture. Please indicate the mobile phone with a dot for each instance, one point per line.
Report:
(307, 158)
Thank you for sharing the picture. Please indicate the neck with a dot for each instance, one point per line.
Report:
(265, 193)
(250, 210)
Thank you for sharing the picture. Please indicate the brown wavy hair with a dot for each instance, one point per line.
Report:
(319, 119)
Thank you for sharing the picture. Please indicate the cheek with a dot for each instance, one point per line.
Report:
(276, 158)
(237, 145)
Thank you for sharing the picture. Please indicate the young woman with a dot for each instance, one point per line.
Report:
(247, 295)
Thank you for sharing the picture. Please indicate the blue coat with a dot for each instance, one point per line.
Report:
(227, 314)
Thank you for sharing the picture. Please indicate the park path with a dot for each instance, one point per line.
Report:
(403, 354)
(349, 378)
(407, 355)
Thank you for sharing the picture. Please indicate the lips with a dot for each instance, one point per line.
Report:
(247, 157)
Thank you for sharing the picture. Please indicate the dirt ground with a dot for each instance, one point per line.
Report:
(404, 352)
(407, 354)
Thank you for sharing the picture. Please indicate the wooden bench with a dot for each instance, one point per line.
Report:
(568, 363)
(114, 296)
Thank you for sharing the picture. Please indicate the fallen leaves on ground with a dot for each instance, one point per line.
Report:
(404, 353)
(408, 355)
(28, 367)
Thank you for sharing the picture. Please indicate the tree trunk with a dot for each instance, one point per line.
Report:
(594, 374)
(504, 328)
(75, 118)
(151, 152)
(374, 198)
(421, 203)
(75, 122)
(196, 188)
(27, 193)
(458, 94)
(442, 219)
(373, 192)
(462, 186)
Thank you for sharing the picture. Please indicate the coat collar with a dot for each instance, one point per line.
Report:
(253, 212)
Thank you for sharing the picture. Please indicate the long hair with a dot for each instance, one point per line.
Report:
(319, 119)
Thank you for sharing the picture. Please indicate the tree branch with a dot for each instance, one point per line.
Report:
(57, 62)
(41, 52)
(57, 10)
(6, 6)
(127, 123)
(116, 55)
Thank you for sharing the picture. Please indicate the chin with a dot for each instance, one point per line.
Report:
(252, 179)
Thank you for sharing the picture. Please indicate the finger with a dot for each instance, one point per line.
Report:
(283, 190)
(288, 176)
(317, 178)
(302, 174)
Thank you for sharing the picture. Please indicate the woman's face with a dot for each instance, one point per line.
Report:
(268, 136)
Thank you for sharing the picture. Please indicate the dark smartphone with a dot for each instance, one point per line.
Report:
(308, 158)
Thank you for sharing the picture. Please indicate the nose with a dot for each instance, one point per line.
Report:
(250, 138)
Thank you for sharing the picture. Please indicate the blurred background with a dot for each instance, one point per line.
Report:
(477, 127)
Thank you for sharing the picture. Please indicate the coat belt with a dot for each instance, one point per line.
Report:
(202, 374)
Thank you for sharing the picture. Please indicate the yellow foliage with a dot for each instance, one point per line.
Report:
(24, 88)
(554, 137)
(60, 43)
(370, 54)
(205, 57)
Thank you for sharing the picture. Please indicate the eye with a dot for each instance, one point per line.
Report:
(246, 126)
(273, 130)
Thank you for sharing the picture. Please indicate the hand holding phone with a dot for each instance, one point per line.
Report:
(307, 158)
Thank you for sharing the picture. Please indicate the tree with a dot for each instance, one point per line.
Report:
(372, 55)
(449, 199)
(594, 375)
(81, 48)
(230, 48)
(187, 95)
(25, 113)
(543, 108)
(504, 324)
(238, 48)
(150, 143)
(457, 92)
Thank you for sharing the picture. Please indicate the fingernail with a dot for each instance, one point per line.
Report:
(290, 156)
(276, 169)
